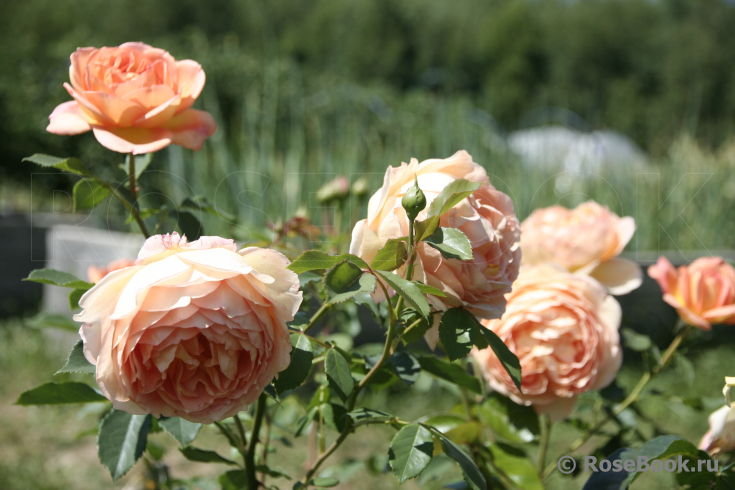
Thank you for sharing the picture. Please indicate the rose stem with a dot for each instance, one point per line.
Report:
(316, 317)
(634, 394)
(134, 192)
(387, 351)
(409, 266)
(543, 445)
(260, 409)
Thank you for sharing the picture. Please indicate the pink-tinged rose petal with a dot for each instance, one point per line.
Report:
(160, 243)
(191, 128)
(191, 82)
(172, 339)
(77, 70)
(137, 141)
(486, 217)
(582, 240)
(68, 119)
(564, 329)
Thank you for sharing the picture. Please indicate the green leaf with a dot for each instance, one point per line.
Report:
(324, 482)
(393, 255)
(298, 370)
(74, 297)
(406, 367)
(71, 165)
(182, 430)
(409, 317)
(338, 374)
(121, 441)
(202, 456)
(426, 228)
(451, 195)
(369, 416)
(450, 372)
(52, 320)
(189, 225)
(409, 291)
(516, 466)
(509, 360)
(429, 290)
(76, 362)
(663, 447)
(88, 193)
(60, 394)
(344, 280)
(234, 480)
(334, 416)
(314, 260)
(141, 163)
(457, 331)
(636, 341)
(410, 451)
(471, 473)
(452, 243)
(509, 421)
(271, 472)
(57, 278)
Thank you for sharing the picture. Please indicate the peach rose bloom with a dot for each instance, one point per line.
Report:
(703, 293)
(193, 330)
(135, 98)
(96, 273)
(486, 218)
(721, 434)
(585, 240)
(564, 329)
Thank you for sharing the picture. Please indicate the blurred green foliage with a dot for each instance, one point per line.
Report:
(646, 68)
(305, 90)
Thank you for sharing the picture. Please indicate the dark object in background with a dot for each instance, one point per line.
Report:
(22, 249)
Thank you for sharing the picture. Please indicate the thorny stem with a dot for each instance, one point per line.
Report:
(409, 265)
(632, 397)
(387, 351)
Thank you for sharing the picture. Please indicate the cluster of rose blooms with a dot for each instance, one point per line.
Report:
(198, 329)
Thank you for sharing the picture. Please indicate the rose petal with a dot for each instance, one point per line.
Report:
(191, 128)
(68, 119)
(619, 276)
(191, 79)
(137, 141)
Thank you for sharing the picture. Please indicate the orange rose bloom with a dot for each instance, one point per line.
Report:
(703, 293)
(192, 330)
(564, 329)
(585, 240)
(486, 217)
(135, 98)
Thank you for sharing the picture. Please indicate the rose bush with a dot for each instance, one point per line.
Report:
(586, 240)
(486, 217)
(135, 98)
(703, 293)
(564, 330)
(192, 330)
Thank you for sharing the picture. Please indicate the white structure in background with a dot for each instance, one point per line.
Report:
(74, 248)
(576, 153)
